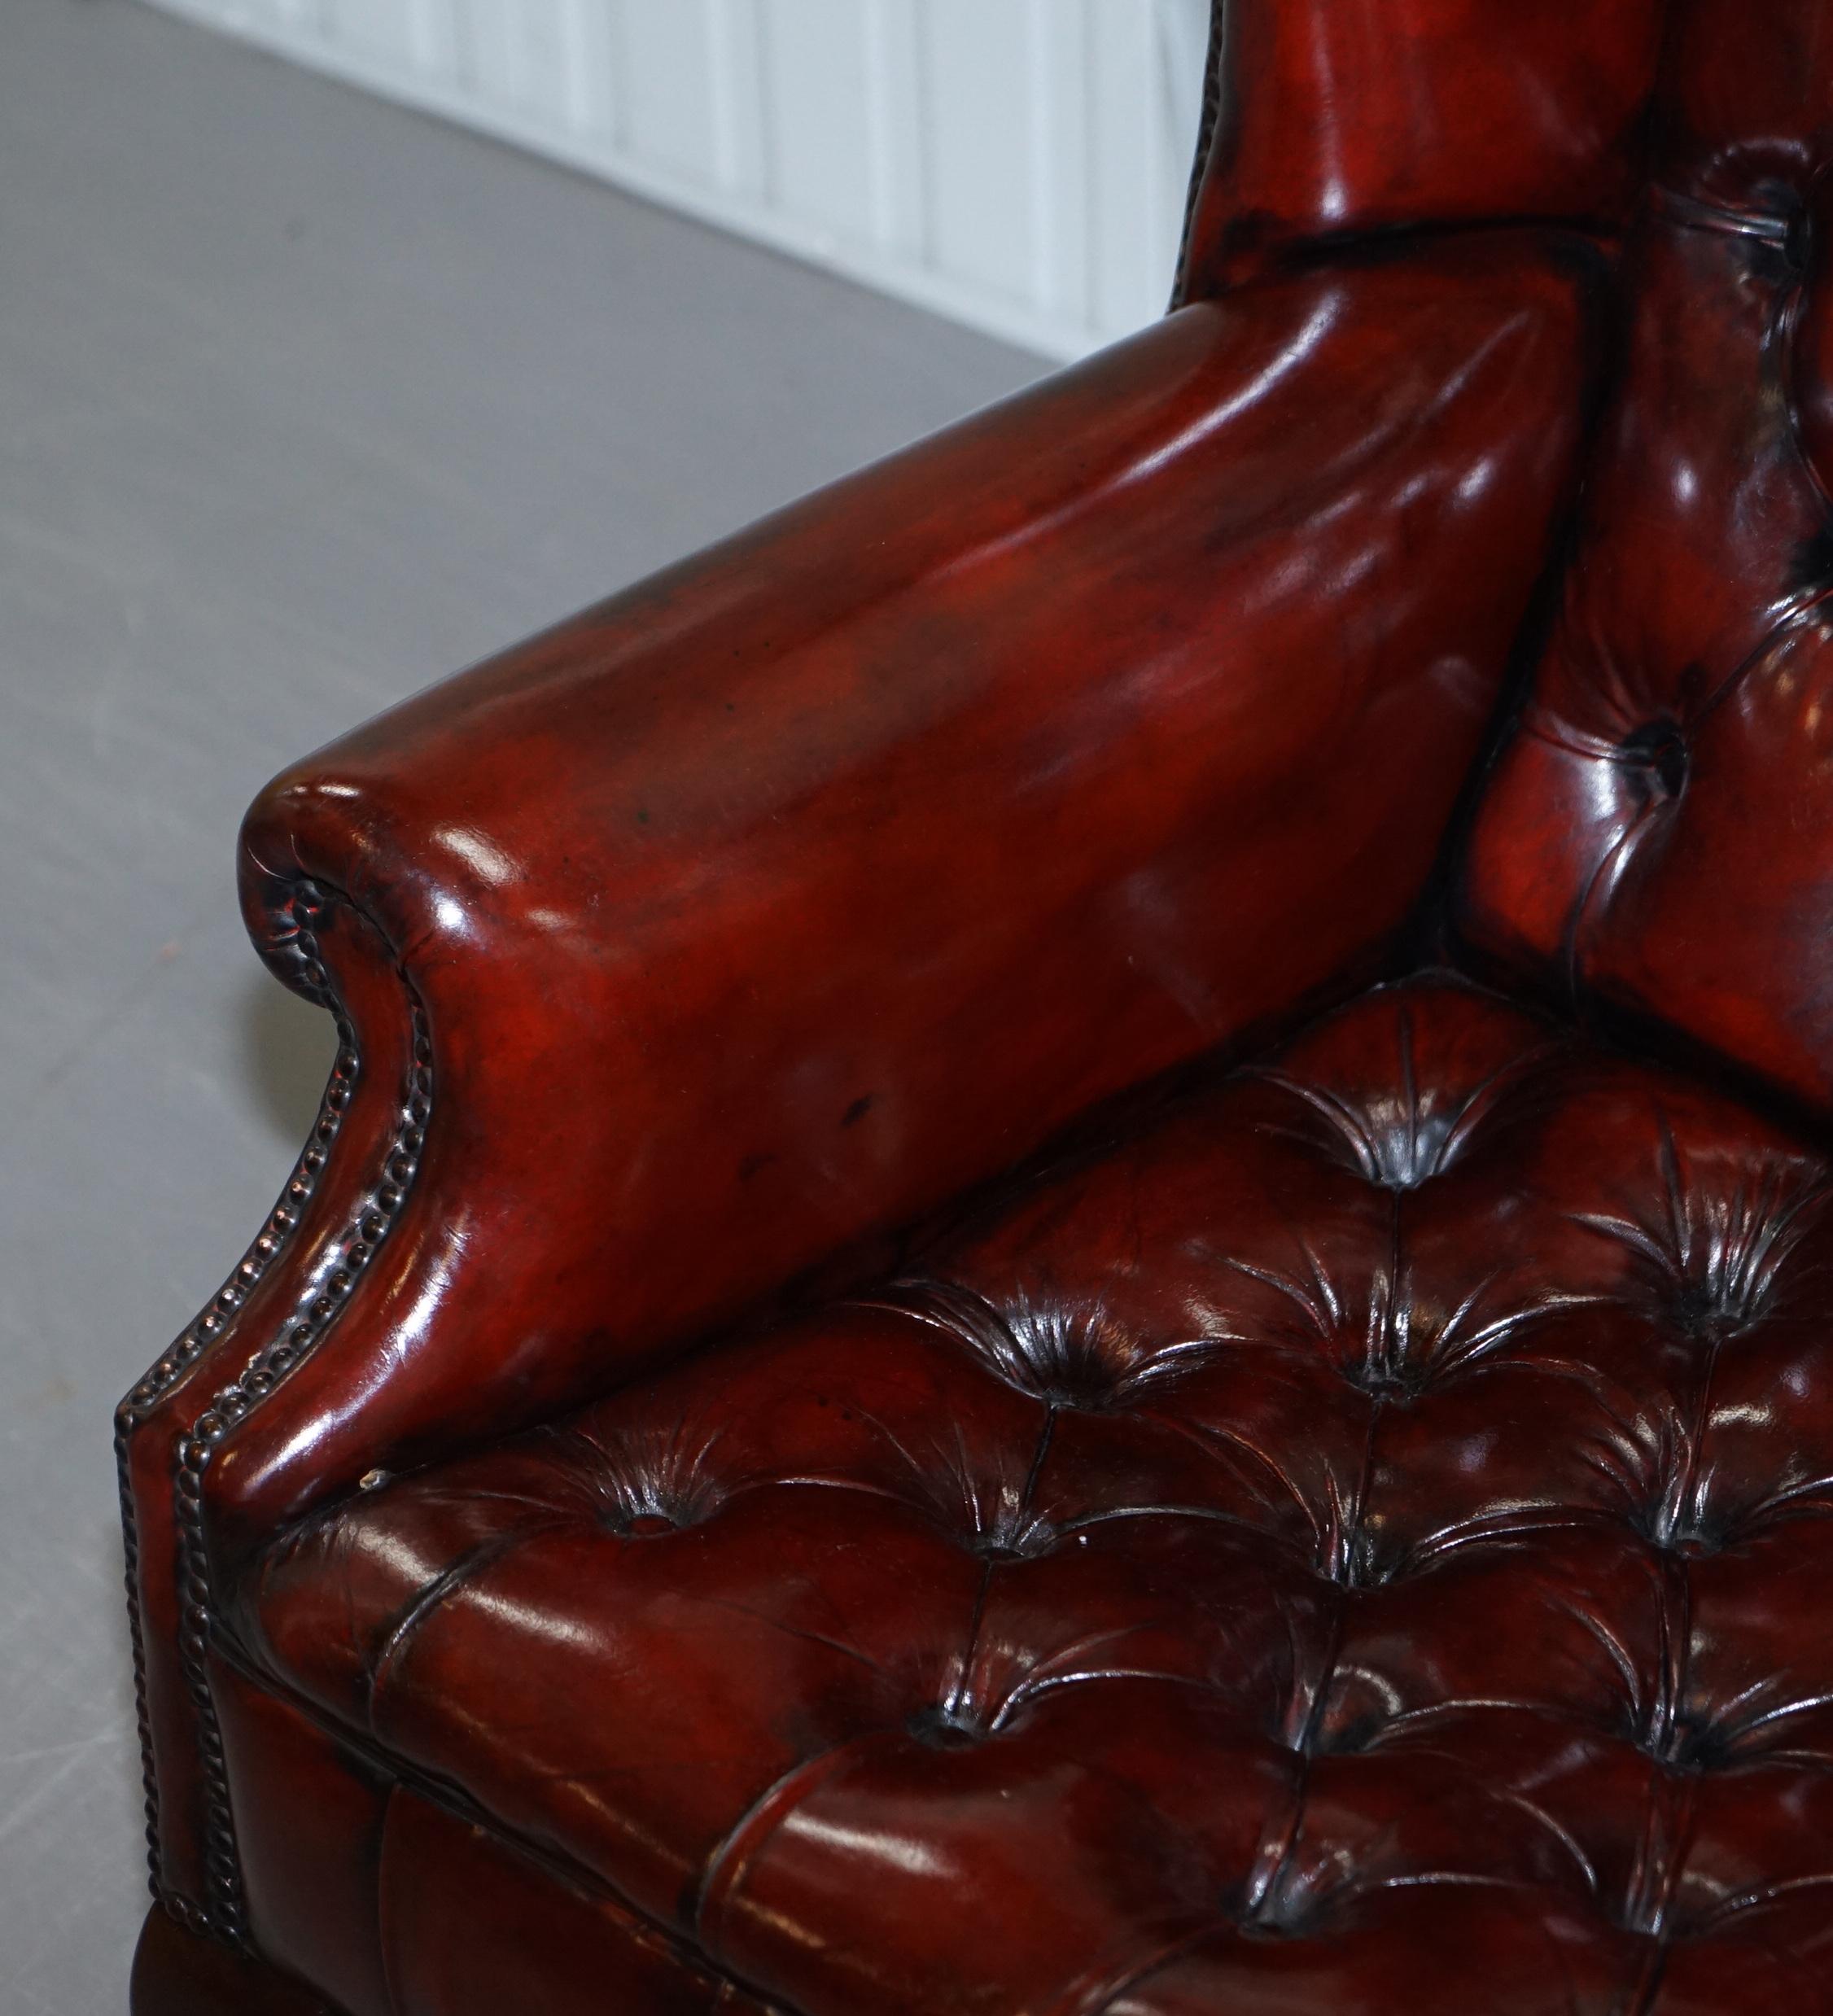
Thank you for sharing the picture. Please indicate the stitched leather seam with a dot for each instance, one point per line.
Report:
(726, 1865)
(1263, 1883)
(1587, 917)
(447, 1583)
(451, 1800)
(1659, 1887)
(1095, 1995)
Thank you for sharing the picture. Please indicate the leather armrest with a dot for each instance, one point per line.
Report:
(829, 872)
(781, 896)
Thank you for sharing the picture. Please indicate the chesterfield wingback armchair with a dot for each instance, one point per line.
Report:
(1072, 1254)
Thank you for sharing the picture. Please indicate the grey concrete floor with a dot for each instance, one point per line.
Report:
(303, 401)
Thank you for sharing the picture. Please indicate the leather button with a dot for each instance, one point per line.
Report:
(943, 1727)
(1658, 749)
(1015, 1540)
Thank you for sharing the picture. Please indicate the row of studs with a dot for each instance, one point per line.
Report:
(314, 981)
(223, 1913)
(195, 1339)
(226, 1909)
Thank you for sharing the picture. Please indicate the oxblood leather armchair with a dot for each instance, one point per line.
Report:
(1074, 1250)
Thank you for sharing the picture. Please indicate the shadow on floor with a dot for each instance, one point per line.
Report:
(284, 1055)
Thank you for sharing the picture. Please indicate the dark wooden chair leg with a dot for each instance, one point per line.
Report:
(177, 1974)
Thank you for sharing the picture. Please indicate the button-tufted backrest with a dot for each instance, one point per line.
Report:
(1658, 830)
(1337, 118)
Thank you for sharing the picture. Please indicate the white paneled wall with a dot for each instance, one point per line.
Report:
(1018, 163)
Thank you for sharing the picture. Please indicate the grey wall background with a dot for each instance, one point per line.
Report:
(303, 401)
(1020, 163)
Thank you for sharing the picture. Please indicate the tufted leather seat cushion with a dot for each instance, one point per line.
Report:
(1359, 1541)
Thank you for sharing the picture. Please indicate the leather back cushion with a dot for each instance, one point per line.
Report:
(1343, 116)
(1658, 828)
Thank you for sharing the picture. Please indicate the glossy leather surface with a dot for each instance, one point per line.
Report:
(1346, 117)
(1656, 833)
(475, 1926)
(777, 899)
(1369, 1526)
(396, 1905)
(1747, 102)
(732, 923)
(663, 1516)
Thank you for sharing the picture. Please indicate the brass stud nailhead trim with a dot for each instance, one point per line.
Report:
(225, 1914)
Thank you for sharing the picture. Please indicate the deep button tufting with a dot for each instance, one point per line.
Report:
(1072, 1357)
(1686, 1748)
(1018, 1539)
(1283, 1911)
(1218, 1544)
(1682, 873)
(1349, 1736)
(945, 1725)
(1715, 1246)
(640, 1485)
(1397, 1127)
(1657, 750)
(979, 1494)
(1390, 1140)
(1382, 1379)
(1356, 1537)
(1355, 1561)
(1685, 1530)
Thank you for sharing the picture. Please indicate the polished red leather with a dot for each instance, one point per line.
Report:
(1073, 1253)
(1655, 833)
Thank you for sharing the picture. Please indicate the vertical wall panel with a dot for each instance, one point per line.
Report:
(285, 14)
(668, 59)
(434, 34)
(978, 156)
(1062, 166)
(1130, 210)
(381, 30)
(895, 112)
(1017, 163)
(523, 55)
(740, 99)
(588, 69)
(819, 85)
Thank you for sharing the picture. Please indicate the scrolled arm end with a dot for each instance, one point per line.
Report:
(785, 896)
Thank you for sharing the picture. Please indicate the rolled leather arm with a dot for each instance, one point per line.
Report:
(779, 898)
(772, 901)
